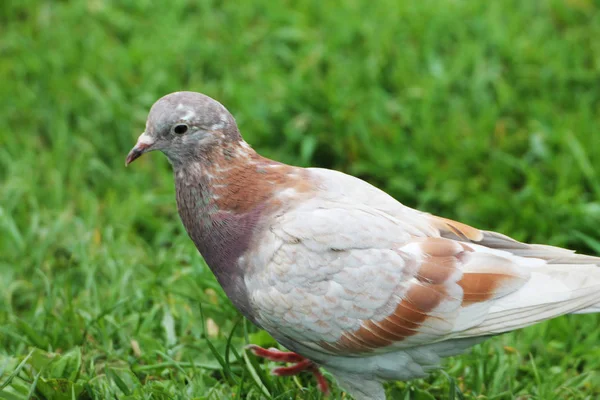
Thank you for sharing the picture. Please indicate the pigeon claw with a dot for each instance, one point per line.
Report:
(301, 364)
(276, 355)
(304, 365)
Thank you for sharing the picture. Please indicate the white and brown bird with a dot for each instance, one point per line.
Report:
(341, 273)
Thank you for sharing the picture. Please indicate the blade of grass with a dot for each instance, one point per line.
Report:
(34, 384)
(16, 371)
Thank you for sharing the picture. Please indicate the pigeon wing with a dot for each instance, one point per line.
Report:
(350, 280)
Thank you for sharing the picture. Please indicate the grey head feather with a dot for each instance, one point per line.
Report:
(207, 124)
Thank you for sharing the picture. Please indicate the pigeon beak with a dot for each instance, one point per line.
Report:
(143, 145)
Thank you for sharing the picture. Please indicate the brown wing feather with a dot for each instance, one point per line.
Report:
(456, 230)
(448, 278)
(553, 255)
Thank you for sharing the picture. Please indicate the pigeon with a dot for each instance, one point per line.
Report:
(340, 273)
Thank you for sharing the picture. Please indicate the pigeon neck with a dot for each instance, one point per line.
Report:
(231, 179)
(220, 210)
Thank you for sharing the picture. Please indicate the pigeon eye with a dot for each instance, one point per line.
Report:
(180, 129)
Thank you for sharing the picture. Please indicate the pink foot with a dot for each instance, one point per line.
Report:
(301, 364)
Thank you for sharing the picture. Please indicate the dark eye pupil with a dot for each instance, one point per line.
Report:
(179, 129)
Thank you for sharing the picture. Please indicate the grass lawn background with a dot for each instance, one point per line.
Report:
(486, 112)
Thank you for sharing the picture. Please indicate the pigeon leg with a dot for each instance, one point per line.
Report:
(273, 354)
(301, 364)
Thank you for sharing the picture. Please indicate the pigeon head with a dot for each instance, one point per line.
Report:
(185, 126)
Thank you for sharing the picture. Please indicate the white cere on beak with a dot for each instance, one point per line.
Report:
(145, 139)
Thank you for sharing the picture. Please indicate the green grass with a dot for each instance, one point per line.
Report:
(486, 112)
